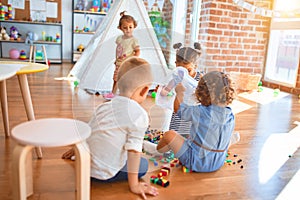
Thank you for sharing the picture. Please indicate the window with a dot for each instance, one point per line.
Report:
(195, 20)
(178, 27)
(179, 24)
(284, 45)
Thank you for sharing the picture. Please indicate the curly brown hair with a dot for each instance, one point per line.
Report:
(127, 18)
(215, 88)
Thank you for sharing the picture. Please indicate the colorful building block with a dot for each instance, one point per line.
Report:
(186, 170)
(165, 171)
(159, 181)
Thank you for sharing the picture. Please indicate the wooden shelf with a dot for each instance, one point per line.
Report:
(46, 42)
(78, 52)
(89, 12)
(83, 20)
(85, 33)
(13, 41)
(31, 22)
(54, 49)
(52, 60)
(35, 42)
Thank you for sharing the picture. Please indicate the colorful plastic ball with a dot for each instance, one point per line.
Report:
(14, 53)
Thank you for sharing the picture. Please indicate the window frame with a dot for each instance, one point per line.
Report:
(278, 24)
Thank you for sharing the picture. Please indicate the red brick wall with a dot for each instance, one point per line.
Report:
(235, 39)
(167, 13)
(188, 27)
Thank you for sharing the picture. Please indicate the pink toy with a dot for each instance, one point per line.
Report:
(108, 96)
(14, 53)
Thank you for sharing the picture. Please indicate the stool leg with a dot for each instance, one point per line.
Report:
(45, 54)
(23, 82)
(83, 179)
(34, 53)
(22, 172)
(4, 107)
(30, 54)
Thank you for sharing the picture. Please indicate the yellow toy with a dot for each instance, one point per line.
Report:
(80, 48)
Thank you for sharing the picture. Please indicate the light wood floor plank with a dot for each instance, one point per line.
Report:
(54, 178)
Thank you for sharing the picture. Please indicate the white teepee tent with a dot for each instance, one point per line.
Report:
(95, 68)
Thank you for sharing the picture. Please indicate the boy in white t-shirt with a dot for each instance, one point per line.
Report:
(118, 129)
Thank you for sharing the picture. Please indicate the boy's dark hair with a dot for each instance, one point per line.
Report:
(215, 88)
(127, 18)
(188, 54)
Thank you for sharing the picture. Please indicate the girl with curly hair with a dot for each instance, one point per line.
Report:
(212, 125)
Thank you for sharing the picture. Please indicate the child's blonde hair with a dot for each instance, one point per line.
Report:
(127, 18)
(187, 54)
(215, 88)
(134, 72)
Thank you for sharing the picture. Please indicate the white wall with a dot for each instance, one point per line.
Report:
(67, 29)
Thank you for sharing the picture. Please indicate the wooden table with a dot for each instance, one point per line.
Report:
(21, 70)
(6, 72)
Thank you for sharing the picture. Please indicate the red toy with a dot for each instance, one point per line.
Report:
(165, 171)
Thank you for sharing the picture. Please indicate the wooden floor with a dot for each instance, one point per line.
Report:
(270, 154)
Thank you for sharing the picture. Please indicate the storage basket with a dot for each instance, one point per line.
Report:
(245, 81)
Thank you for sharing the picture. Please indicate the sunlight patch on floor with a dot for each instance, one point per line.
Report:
(266, 96)
(238, 106)
(276, 152)
(291, 190)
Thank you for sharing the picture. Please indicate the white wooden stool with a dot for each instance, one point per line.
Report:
(32, 54)
(49, 132)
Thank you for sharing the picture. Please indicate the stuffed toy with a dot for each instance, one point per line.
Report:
(80, 48)
(80, 5)
(3, 34)
(14, 33)
(31, 37)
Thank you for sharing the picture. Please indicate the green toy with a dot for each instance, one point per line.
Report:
(153, 94)
(260, 83)
(39, 55)
(76, 83)
(260, 89)
(170, 94)
(276, 92)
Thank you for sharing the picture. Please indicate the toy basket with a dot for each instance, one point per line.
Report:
(245, 81)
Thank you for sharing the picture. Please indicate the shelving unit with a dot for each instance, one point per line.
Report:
(84, 25)
(54, 49)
